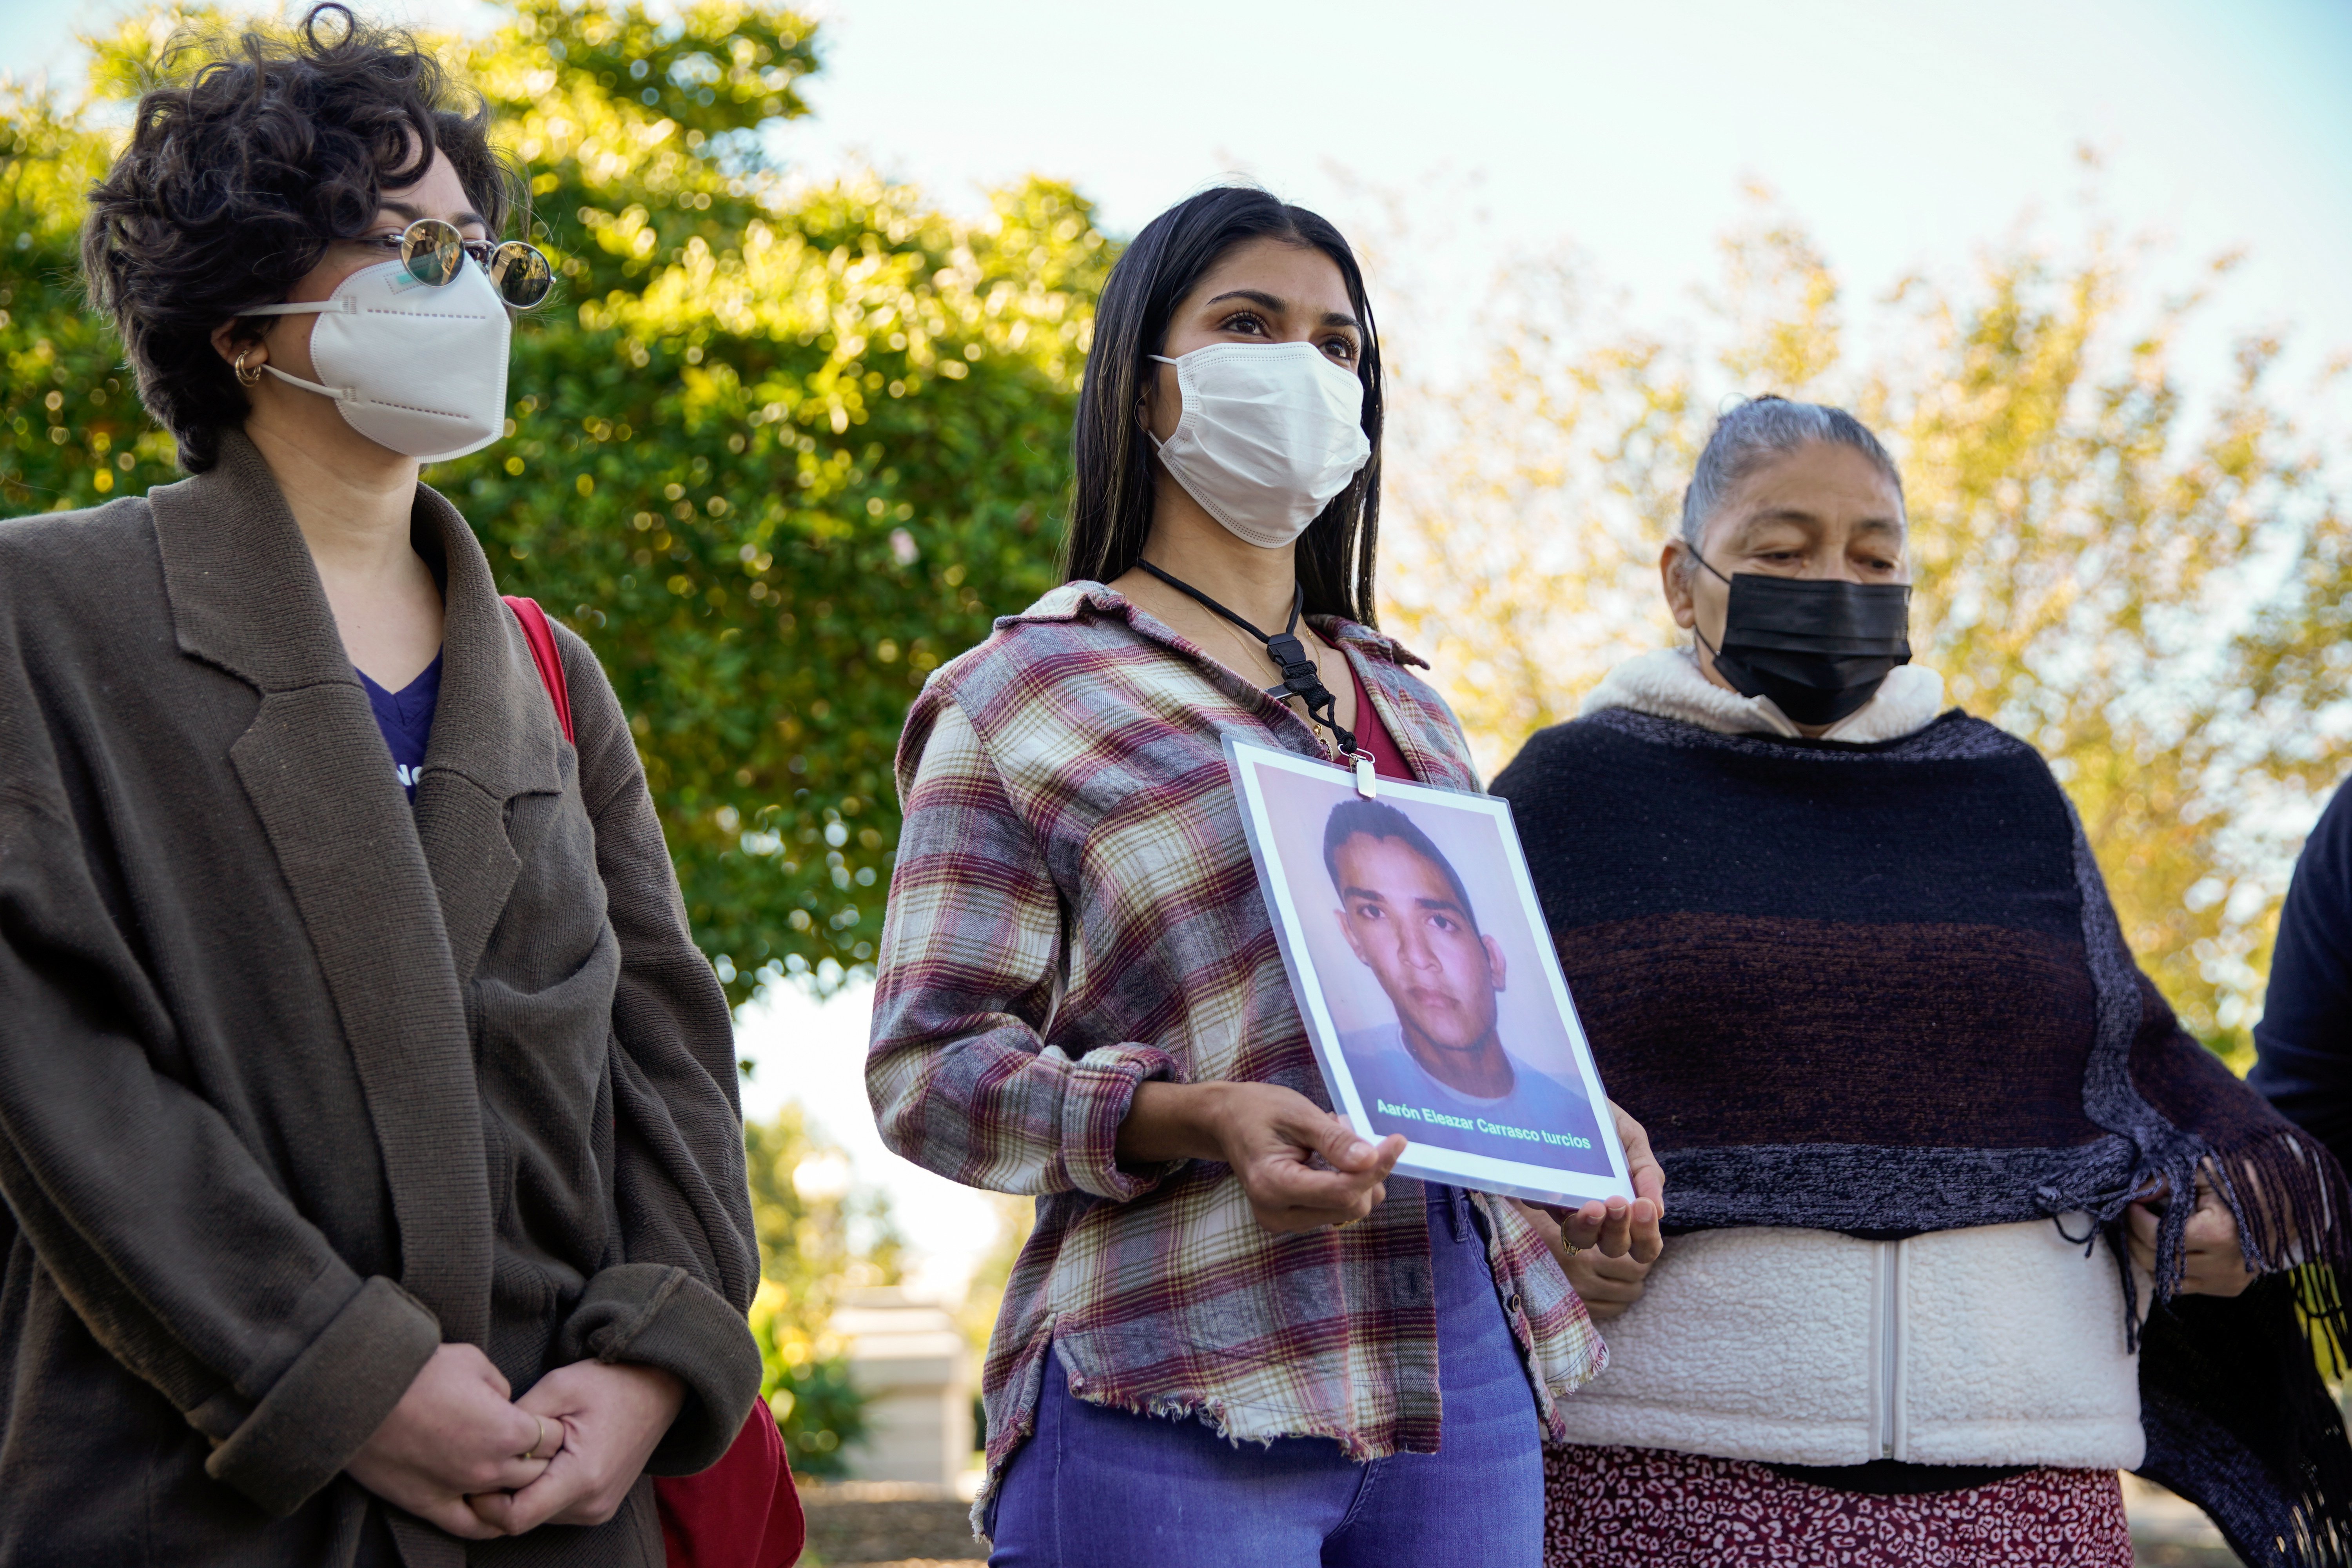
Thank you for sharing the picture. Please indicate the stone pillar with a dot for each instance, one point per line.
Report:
(910, 1362)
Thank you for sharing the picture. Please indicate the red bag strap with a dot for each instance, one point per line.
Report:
(544, 654)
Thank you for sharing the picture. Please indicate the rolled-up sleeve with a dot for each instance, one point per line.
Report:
(962, 1079)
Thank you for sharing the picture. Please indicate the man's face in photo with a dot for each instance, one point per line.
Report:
(1404, 919)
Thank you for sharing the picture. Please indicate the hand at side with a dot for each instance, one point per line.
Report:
(612, 1416)
(452, 1434)
(2213, 1262)
(1271, 1136)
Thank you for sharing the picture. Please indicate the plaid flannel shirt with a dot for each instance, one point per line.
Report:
(1075, 911)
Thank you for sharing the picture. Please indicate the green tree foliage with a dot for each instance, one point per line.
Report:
(71, 430)
(818, 1238)
(776, 451)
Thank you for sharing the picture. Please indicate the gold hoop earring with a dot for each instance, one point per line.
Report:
(249, 377)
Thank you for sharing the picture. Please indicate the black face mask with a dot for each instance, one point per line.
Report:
(1818, 648)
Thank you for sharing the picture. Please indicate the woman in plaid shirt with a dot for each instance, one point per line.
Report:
(1232, 1339)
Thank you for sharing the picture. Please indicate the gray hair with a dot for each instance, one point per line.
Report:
(1756, 432)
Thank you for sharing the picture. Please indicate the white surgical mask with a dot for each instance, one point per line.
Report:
(1269, 434)
(419, 368)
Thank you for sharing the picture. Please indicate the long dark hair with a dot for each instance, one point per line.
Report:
(1110, 516)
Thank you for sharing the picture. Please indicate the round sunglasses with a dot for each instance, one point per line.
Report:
(433, 250)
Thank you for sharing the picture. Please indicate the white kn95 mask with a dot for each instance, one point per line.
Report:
(415, 367)
(1269, 434)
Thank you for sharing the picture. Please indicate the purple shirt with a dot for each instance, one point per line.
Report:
(406, 717)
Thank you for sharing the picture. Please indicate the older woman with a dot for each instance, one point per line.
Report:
(367, 1130)
(1850, 959)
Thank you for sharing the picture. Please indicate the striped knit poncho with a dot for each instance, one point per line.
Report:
(1880, 989)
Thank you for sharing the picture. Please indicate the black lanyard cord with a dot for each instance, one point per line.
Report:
(1299, 675)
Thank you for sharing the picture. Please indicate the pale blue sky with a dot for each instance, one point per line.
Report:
(1903, 134)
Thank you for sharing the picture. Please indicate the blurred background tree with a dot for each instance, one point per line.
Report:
(820, 1236)
(71, 429)
(776, 450)
(984, 1293)
(2148, 585)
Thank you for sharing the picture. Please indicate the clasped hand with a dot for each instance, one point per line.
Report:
(459, 1452)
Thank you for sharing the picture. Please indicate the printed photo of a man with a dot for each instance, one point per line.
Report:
(1441, 1074)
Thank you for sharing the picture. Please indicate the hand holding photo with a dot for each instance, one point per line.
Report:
(1434, 1003)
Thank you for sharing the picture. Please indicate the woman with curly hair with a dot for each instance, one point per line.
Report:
(372, 1167)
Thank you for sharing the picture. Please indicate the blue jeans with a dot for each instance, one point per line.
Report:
(1102, 1487)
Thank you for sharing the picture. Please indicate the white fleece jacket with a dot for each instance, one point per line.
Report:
(1998, 1345)
(1668, 685)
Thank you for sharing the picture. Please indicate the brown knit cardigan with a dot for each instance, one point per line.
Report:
(296, 1082)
